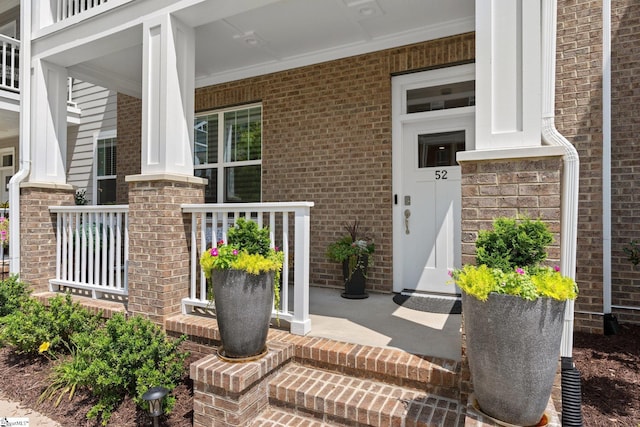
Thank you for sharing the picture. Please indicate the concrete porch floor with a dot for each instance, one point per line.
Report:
(378, 321)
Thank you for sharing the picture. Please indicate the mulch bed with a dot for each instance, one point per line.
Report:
(609, 366)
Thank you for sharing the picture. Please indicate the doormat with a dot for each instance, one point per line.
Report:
(430, 304)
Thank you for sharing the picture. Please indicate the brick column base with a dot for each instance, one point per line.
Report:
(159, 243)
(233, 394)
(38, 231)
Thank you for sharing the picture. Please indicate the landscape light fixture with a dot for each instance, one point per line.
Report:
(154, 396)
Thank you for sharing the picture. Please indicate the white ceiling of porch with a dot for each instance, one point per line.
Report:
(291, 33)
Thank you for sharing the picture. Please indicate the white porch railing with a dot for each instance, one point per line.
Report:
(9, 69)
(92, 250)
(209, 224)
(68, 8)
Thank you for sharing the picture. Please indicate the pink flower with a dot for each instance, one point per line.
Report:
(557, 268)
(214, 251)
(235, 252)
(450, 273)
(276, 248)
(2, 219)
(220, 242)
(519, 271)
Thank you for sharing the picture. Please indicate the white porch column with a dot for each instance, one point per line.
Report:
(507, 74)
(167, 97)
(48, 123)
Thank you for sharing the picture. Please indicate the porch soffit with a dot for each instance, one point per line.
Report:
(267, 37)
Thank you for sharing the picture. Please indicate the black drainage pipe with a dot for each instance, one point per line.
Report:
(571, 394)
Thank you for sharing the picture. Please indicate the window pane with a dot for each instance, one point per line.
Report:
(439, 149)
(441, 97)
(211, 190)
(242, 184)
(7, 160)
(206, 139)
(106, 191)
(106, 157)
(242, 135)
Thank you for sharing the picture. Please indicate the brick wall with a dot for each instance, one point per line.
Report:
(513, 187)
(38, 233)
(625, 165)
(327, 139)
(579, 118)
(129, 138)
(159, 246)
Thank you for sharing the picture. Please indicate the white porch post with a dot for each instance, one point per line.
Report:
(157, 285)
(167, 97)
(507, 74)
(48, 123)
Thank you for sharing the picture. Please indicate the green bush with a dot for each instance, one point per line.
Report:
(513, 243)
(13, 293)
(35, 324)
(124, 357)
(247, 235)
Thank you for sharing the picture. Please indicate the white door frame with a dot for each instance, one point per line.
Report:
(399, 86)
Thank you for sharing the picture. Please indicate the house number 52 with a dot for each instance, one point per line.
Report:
(441, 174)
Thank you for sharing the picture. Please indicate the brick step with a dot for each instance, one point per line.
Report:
(274, 417)
(340, 399)
(435, 375)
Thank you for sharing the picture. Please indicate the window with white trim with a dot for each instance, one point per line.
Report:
(228, 152)
(106, 170)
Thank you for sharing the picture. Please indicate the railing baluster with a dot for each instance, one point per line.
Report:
(284, 289)
(118, 248)
(91, 246)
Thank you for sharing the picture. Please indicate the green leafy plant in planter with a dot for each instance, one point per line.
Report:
(513, 308)
(355, 251)
(245, 273)
(632, 251)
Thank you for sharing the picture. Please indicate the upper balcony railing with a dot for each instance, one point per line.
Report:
(68, 8)
(9, 63)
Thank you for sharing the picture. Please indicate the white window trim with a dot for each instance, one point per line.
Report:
(97, 136)
(222, 164)
(12, 168)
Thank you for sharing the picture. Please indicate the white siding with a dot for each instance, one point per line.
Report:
(98, 106)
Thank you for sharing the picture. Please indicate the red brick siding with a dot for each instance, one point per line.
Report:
(579, 118)
(38, 234)
(327, 139)
(625, 164)
(159, 246)
(129, 136)
(498, 188)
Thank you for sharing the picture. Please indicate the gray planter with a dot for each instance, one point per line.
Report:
(244, 303)
(513, 347)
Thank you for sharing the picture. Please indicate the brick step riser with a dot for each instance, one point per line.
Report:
(338, 399)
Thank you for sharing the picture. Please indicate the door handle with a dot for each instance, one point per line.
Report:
(407, 214)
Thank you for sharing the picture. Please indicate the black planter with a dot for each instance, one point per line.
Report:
(244, 303)
(513, 347)
(355, 278)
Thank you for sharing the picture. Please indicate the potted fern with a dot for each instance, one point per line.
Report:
(354, 250)
(244, 273)
(513, 308)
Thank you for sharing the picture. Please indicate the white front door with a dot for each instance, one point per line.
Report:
(428, 227)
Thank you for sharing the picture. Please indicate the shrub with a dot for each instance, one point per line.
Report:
(34, 324)
(632, 251)
(513, 243)
(124, 357)
(13, 293)
(248, 236)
